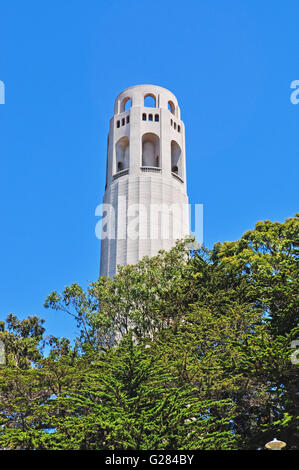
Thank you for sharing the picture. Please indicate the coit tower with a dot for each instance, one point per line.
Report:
(145, 206)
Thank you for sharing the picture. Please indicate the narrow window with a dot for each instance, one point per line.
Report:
(144, 117)
(150, 117)
(174, 125)
(179, 128)
(157, 117)
(128, 119)
(171, 122)
(123, 121)
(118, 124)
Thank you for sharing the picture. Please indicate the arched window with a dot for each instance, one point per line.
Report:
(150, 150)
(128, 104)
(171, 122)
(176, 158)
(122, 148)
(143, 117)
(157, 117)
(150, 117)
(179, 128)
(171, 107)
(128, 119)
(149, 101)
(125, 104)
(174, 125)
(118, 124)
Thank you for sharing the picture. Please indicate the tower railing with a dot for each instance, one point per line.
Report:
(154, 169)
(175, 175)
(121, 173)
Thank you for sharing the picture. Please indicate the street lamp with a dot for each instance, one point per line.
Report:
(275, 444)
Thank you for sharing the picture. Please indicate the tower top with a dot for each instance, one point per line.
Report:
(146, 172)
(162, 97)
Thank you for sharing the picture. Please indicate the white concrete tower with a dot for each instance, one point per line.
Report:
(145, 201)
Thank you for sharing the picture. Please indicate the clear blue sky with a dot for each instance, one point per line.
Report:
(230, 64)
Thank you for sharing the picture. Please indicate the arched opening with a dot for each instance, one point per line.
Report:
(176, 158)
(150, 150)
(125, 104)
(149, 101)
(150, 117)
(156, 117)
(171, 107)
(122, 154)
(128, 104)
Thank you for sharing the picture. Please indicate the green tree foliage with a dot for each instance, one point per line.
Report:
(182, 351)
(22, 340)
(266, 258)
(145, 298)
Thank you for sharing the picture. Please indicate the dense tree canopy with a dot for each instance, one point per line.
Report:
(185, 350)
